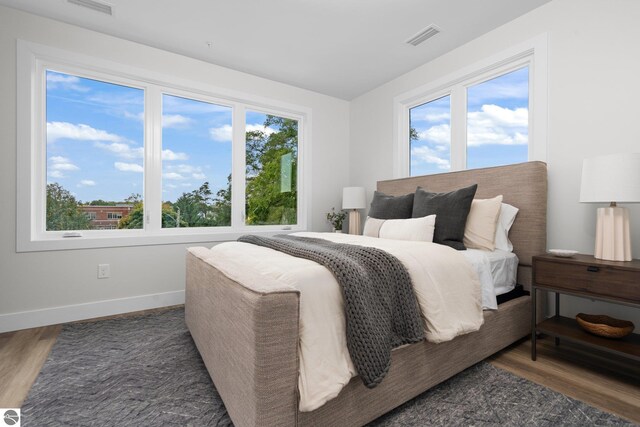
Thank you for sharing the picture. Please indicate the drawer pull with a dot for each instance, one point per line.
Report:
(593, 269)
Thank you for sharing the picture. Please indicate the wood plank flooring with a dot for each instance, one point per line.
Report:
(598, 379)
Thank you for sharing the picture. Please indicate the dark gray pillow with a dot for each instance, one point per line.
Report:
(451, 210)
(390, 207)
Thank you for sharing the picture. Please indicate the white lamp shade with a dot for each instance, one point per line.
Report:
(354, 198)
(612, 178)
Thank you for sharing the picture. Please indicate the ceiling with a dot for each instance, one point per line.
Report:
(341, 48)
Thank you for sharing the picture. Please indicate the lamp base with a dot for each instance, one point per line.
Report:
(354, 221)
(613, 239)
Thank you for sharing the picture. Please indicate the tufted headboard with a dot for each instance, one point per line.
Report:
(523, 185)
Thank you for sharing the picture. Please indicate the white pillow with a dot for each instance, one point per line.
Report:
(505, 221)
(480, 229)
(372, 227)
(415, 229)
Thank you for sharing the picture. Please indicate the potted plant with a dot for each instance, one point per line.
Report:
(336, 219)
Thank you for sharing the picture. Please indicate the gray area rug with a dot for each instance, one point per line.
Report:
(146, 371)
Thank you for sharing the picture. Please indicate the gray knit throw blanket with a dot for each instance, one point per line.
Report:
(381, 309)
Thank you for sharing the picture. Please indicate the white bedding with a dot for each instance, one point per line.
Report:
(446, 286)
(497, 271)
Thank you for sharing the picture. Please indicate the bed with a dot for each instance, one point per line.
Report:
(248, 335)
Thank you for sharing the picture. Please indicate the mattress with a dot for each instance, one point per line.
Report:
(497, 271)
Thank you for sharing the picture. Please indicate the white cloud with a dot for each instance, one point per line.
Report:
(498, 125)
(122, 150)
(221, 134)
(139, 116)
(172, 175)
(64, 81)
(79, 132)
(172, 186)
(128, 167)
(184, 171)
(175, 121)
(424, 154)
(224, 132)
(86, 183)
(172, 155)
(438, 134)
(59, 163)
(56, 174)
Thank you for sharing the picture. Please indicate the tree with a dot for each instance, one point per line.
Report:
(266, 202)
(101, 202)
(413, 134)
(135, 219)
(133, 199)
(63, 210)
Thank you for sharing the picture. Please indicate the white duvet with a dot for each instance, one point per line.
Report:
(445, 283)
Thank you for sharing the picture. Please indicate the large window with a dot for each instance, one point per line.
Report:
(196, 163)
(491, 114)
(113, 156)
(94, 148)
(430, 137)
(498, 120)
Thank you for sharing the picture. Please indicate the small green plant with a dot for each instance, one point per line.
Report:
(336, 218)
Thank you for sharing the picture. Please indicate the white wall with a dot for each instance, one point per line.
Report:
(43, 280)
(594, 85)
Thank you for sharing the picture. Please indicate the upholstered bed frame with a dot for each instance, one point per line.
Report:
(248, 338)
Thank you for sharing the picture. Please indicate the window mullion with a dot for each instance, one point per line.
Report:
(458, 128)
(238, 178)
(153, 159)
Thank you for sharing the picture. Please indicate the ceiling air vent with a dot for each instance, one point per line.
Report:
(423, 35)
(94, 5)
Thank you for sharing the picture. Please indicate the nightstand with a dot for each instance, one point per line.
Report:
(616, 282)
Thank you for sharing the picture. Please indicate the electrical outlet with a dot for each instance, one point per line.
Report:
(104, 271)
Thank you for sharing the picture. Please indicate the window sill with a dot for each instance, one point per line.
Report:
(140, 238)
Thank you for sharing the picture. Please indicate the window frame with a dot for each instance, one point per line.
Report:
(33, 61)
(532, 54)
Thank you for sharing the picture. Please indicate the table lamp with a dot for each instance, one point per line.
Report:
(354, 198)
(612, 179)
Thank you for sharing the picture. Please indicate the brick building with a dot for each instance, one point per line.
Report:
(106, 217)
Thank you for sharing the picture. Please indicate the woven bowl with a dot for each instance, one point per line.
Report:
(604, 326)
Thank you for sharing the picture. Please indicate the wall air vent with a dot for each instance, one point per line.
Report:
(94, 5)
(423, 35)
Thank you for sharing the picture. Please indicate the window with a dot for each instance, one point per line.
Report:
(94, 147)
(480, 117)
(498, 120)
(430, 137)
(196, 163)
(114, 156)
(271, 159)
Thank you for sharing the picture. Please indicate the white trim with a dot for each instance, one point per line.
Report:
(71, 313)
(31, 153)
(532, 53)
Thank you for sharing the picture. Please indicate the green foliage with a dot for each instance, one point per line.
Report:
(336, 218)
(135, 219)
(413, 134)
(100, 202)
(266, 203)
(63, 210)
(200, 208)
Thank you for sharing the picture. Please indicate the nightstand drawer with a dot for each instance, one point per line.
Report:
(595, 279)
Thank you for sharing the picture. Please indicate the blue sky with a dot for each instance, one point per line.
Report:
(95, 140)
(497, 126)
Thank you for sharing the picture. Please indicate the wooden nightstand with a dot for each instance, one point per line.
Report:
(585, 276)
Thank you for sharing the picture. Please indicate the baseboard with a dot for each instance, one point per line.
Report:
(71, 313)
